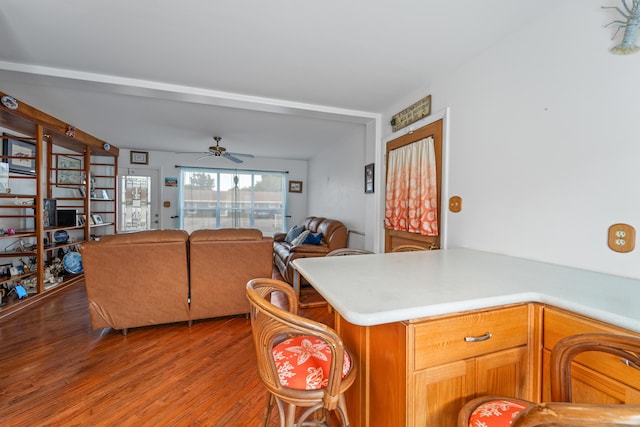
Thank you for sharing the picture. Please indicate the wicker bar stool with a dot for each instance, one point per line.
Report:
(492, 411)
(302, 363)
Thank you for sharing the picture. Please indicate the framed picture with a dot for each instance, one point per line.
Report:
(139, 157)
(369, 176)
(49, 212)
(22, 155)
(82, 219)
(69, 170)
(295, 186)
(170, 182)
(4, 177)
(105, 194)
(97, 219)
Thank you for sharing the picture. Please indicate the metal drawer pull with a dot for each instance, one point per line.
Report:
(629, 363)
(478, 339)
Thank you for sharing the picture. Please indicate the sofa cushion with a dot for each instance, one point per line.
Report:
(294, 232)
(313, 239)
(301, 238)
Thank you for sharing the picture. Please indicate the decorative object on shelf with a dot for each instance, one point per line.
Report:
(97, 219)
(411, 114)
(69, 170)
(139, 158)
(71, 131)
(368, 178)
(72, 262)
(9, 102)
(82, 219)
(17, 246)
(22, 155)
(295, 186)
(105, 195)
(11, 231)
(56, 268)
(106, 146)
(61, 236)
(631, 28)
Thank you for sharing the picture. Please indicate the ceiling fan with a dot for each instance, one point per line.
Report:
(219, 151)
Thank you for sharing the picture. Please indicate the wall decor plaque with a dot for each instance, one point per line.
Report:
(411, 114)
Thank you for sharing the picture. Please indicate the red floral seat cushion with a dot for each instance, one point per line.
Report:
(495, 413)
(303, 361)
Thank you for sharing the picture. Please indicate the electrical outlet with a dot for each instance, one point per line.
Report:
(622, 237)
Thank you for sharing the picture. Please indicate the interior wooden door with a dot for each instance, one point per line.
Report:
(394, 238)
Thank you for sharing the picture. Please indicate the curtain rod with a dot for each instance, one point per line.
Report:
(228, 169)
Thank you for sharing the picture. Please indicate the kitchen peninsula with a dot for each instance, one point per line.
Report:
(433, 329)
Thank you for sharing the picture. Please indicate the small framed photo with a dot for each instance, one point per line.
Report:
(139, 157)
(369, 177)
(295, 186)
(82, 219)
(97, 219)
(21, 155)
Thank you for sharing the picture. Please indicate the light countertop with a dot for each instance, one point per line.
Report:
(382, 288)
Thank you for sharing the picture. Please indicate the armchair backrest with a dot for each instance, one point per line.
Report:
(567, 349)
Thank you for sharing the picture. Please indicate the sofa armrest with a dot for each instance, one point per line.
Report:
(309, 249)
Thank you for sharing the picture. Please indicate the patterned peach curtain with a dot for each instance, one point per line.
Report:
(411, 197)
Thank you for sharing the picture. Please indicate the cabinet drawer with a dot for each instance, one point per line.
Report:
(559, 324)
(443, 340)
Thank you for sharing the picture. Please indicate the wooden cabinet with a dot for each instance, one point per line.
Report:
(596, 377)
(420, 373)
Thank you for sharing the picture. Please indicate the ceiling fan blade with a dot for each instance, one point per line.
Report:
(242, 155)
(230, 157)
(206, 155)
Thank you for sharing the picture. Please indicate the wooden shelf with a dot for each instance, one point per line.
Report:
(54, 138)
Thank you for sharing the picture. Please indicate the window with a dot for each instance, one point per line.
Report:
(222, 198)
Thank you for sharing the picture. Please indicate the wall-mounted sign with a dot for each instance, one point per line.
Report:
(411, 114)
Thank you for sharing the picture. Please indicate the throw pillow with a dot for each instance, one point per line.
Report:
(293, 233)
(298, 240)
(313, 239)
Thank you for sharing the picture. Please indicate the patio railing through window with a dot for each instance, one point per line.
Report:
(219, 198)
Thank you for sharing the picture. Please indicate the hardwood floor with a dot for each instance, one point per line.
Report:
(55, 370)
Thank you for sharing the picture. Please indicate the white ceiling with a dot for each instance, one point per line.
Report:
(277, 78)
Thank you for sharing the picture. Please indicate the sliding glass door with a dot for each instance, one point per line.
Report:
(219, 198)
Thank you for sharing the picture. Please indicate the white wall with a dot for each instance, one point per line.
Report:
(165, 163)
(545, 142)
(336, 186)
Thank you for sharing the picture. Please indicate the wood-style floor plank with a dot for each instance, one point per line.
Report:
(55, 370)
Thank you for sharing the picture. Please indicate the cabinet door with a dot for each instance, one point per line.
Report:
(504, 373)
(440, 392)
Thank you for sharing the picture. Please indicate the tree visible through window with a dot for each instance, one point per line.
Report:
(218, 198)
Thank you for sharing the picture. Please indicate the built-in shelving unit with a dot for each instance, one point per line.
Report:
(46, 206)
